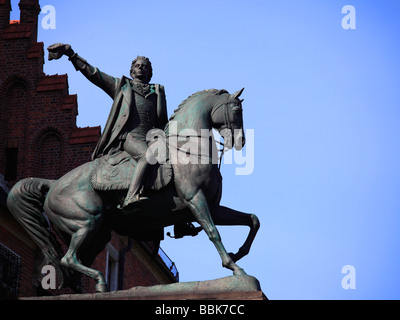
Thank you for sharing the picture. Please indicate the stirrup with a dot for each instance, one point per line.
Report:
(135, 203)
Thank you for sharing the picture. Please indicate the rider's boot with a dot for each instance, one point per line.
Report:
(133, 197)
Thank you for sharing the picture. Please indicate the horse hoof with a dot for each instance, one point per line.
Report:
(239, 272)
(100, 287)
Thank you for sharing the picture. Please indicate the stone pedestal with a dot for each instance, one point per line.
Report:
(228, 288)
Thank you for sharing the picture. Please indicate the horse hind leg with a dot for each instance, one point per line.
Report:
(80, 239)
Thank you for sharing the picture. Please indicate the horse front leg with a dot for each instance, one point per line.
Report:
(199, 207)
(228, 217)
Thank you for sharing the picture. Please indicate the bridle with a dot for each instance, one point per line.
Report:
(228, 117)
(228, 125)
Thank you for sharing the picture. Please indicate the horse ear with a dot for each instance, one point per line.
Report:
(238, 93)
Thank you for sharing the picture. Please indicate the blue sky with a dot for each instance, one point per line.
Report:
(324, 105)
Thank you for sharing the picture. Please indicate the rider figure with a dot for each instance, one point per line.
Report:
(137, 108)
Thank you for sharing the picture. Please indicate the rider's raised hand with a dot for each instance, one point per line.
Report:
(57, 50)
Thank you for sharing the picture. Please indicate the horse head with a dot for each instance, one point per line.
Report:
(227, 118)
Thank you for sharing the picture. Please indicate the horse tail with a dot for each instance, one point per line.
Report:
(26, 201)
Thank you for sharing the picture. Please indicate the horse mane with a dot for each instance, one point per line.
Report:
(183, 103)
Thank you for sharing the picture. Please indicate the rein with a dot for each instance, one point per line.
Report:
(228, 124)
(199, 155)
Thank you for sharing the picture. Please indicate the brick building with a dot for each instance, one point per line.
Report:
(39, 138)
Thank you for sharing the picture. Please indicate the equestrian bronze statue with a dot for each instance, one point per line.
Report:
(146, 173)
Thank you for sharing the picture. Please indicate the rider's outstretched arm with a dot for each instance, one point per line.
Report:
(106, 82)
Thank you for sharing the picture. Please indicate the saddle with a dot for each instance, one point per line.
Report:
(114, 172)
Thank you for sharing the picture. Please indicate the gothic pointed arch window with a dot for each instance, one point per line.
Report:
(17, 108)
(50, 154)
(14, 114)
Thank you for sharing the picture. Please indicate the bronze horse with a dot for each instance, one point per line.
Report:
(83, 217)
